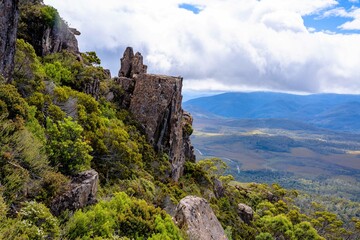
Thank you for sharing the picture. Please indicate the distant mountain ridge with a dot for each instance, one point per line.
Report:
(330, 111)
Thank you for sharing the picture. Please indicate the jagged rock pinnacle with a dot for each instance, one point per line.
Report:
(131, 64)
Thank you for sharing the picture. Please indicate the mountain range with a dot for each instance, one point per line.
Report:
(330, 111)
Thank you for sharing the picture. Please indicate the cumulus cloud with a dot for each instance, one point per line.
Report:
(228, 45)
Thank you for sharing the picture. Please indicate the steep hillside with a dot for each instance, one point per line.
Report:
(87, 156)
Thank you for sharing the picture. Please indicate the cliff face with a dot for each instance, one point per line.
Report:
(9, 15)
(43, 28)
(155, 101)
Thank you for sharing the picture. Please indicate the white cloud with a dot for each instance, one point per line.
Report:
(353, 13)
(229, 45)
(354, 24)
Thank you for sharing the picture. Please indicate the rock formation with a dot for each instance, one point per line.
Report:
(246, 213)
(9, 15)
(155, 101)
(46, 36)
(58, 38)
(83, 189)
(187, 131)
(195, 215)
(131, 64)
(219, 189)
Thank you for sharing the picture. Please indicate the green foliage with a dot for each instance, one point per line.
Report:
(11, 100)
(35, 18)
(53, 184)
(279, 226)
(49, 15)
(65, 69)
(34, 221)
(305, 231)
(122, 216)
(213, 166)
(28, 71)
(106, 137)
(3, 210)
(58, 73)
(264, 236)
(90, 58)
(66, 147)
(188, 130)
(328, 225)
(22, 160)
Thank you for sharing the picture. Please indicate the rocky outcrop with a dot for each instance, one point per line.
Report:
(9, 15)
(46, 35)
(219, 189)
(187, 131)
(195, 216)
(246, 213)
(155, 102)
(83, 189)
(57, 38)
(131, 64)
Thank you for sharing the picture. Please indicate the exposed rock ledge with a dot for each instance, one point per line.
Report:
(195, 215)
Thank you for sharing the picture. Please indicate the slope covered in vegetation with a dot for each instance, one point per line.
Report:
(53, 126)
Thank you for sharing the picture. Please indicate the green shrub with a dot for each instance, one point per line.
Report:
(122, 216)
(57, 73)
(49, 15)
(34, 221)
(15, 104)
(28, 71)
(66, 146)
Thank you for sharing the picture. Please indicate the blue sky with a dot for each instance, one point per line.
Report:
(304, 46)
(314, 21)
(192, 8)
(332, 23)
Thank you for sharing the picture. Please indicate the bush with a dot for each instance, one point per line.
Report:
(66, 146)
(122, 216)
(16, 106)
(33, 222)
(49, 15)
(28, 71)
